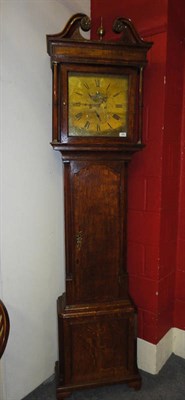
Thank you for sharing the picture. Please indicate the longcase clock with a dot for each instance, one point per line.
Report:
(97, 126)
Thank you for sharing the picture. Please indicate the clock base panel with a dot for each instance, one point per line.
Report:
(97, 346)
(65, 391)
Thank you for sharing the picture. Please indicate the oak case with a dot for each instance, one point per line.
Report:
(96, 316)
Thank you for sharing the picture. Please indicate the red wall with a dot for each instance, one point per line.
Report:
(179, 306)
(170, 207)
(147, 15)
(154, 208)
(145, 193)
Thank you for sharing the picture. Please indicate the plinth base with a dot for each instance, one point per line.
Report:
(65, 391)
(97, 346)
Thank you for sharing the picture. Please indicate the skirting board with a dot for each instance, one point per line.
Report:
(151, 357)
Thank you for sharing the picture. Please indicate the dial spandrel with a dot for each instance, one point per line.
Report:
(97, 104)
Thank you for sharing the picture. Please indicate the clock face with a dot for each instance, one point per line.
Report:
(97, 104)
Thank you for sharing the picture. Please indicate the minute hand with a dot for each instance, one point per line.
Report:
(98, 116)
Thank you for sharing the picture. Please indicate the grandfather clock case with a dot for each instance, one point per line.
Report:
(97, 127)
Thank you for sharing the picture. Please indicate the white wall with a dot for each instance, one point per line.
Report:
(32, 249)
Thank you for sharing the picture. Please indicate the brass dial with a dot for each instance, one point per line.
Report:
(97, 104)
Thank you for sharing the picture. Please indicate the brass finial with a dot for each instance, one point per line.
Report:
(101, 30)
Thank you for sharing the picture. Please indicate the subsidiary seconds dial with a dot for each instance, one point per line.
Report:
(97, 104)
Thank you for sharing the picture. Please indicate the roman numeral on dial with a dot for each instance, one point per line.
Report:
(78, 116)
(87, 125)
